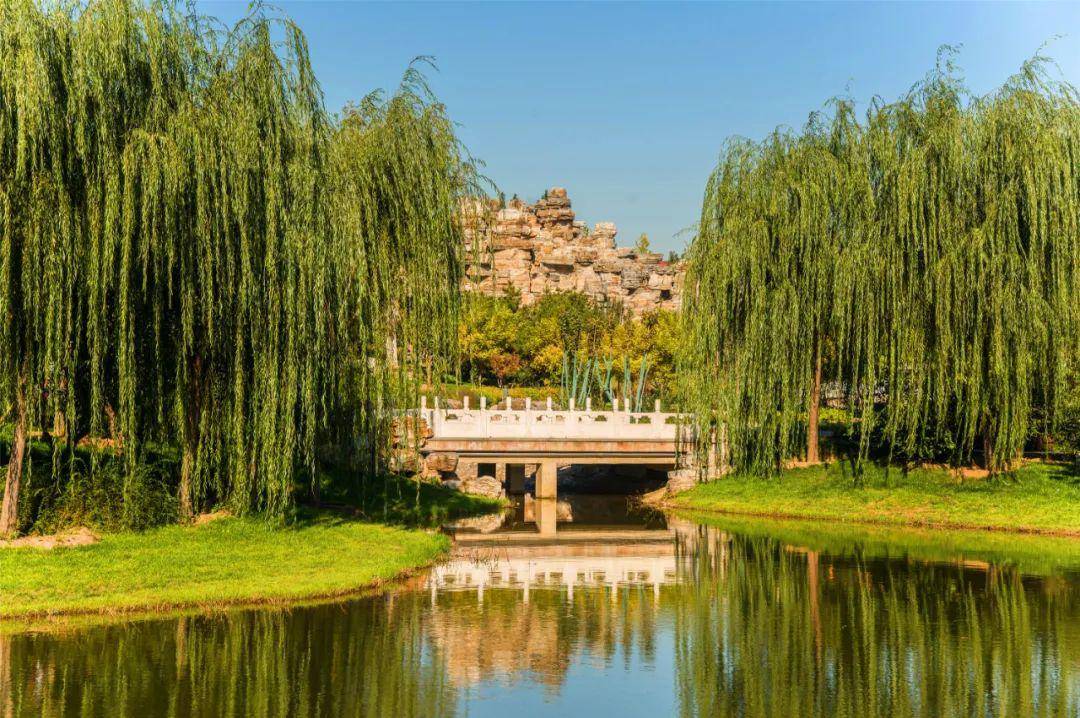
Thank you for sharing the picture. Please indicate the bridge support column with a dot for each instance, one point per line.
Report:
(515, 478)
(547, 479)
(546, 513)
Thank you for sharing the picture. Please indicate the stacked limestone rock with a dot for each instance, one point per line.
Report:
(445, 467)
(541, 248)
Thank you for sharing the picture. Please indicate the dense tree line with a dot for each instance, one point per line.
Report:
(504, 343)
(194, 253)
(923, 260)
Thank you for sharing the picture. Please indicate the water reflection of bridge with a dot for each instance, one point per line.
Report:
(577, 560)
(577, 518)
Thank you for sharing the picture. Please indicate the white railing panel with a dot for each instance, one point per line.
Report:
(541, 424)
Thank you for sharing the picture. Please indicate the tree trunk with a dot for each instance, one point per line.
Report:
(9, 511)
(60, 423)
(114, 433)
(813, 453)
(989, 460)
(187, 468)
(190, 441)
(59, 427)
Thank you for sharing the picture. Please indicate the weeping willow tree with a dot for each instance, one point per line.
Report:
(766, 276)
(927, 256)
(979, 215)
(399, 184)
(41, 229)
(194, 253)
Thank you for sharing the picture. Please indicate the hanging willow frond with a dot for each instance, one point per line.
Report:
(399, 179)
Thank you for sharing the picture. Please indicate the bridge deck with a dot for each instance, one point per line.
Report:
(570, 451)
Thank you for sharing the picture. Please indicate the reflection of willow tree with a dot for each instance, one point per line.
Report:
(767, 631)
(541, 638)
(385, 656)
(369, 660)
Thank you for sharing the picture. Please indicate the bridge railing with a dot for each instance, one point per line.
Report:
(546, 422)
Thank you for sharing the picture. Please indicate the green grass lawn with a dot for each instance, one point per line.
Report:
(238, 560)
(231, 560)
(1039, 498)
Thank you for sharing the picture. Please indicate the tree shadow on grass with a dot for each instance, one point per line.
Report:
(1067, 473)
(391, 499)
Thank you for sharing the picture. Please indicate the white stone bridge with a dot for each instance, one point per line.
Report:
(551, 437)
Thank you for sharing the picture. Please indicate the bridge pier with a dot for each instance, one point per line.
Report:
(547, 480)
(546, 512)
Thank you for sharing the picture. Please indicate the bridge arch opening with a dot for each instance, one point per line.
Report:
(587, 479)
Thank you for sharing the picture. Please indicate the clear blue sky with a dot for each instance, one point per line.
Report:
(627, 105)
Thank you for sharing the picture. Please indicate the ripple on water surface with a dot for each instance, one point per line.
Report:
(588, 606)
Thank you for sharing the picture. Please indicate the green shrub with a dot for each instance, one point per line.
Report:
(506, 344)
(92, 489)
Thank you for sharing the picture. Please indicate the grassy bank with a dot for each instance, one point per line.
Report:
(1030, 554)
(1039, 498)
(227, 561)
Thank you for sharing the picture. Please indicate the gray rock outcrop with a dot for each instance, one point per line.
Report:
(541, 248)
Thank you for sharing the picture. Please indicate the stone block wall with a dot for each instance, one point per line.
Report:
(542, 248)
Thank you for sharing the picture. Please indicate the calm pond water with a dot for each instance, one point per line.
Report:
(588, 608)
